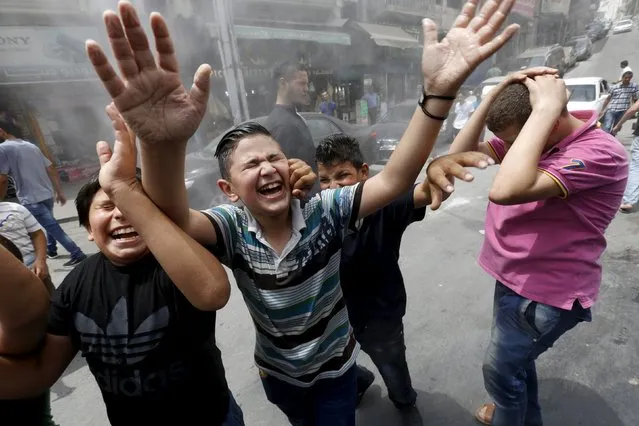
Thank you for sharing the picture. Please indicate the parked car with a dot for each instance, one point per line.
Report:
(582, 46)
(489, 84)
(202, 170)
(622, 26)
(546, 56)
(570, 57)
(587, 93)
(389, 130)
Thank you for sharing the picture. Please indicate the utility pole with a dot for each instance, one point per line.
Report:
(230, 61)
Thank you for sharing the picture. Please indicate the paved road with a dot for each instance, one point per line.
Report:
(590, 378)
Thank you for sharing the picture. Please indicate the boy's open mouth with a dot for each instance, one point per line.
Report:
(124, 234)
(270, 189)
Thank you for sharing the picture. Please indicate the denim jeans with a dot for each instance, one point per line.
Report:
(522, 330)
(235, 417)
(631, 195)
(43, 212)
(610, 119)
(329, 402)
(383, 341)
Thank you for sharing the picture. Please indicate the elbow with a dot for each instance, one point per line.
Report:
(503, 196)
(215, 296)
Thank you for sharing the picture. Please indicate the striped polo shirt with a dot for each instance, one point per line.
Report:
(294, 298)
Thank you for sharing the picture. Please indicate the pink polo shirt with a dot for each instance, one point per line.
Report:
(548, 251)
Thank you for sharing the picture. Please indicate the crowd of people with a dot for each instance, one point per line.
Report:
(314, 247)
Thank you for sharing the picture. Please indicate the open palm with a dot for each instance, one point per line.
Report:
(149, 95)
(470, 41)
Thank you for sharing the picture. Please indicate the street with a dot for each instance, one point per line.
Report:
(590, 378)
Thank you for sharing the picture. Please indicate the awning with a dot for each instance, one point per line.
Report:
(247, 32)
(384, 35)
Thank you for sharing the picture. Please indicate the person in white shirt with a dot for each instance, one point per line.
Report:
(463, 110)
(19, 226)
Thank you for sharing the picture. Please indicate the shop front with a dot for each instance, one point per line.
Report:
(48, 88)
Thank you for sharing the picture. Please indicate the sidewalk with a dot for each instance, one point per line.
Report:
(67, 213)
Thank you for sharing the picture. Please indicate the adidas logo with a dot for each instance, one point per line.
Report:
(115, 345)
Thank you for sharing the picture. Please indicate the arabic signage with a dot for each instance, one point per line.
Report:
(31, 54)
(525, 8)
(555, 6)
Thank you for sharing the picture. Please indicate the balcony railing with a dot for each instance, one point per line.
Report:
(41, 6)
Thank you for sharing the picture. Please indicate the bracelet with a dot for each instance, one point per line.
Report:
(425, 98)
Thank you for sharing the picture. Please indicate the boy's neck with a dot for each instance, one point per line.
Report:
(277, 230)
(566, 127)
(281, 100)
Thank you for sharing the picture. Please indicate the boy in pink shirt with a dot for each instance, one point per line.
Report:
(559, 186)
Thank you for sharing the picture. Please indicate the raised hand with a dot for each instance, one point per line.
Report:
(441, 173)
(472, 39)
(118, 167)
(149, 94)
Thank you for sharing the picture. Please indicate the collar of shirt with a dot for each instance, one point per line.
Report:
(589, 118)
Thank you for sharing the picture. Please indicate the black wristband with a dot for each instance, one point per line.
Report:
(425, 98)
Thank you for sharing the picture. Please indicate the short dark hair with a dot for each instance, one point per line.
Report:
(287, 69)
(86, 194)
(231, 139)
(11, 128)
(624, 64)
(337, 149)
(511, 107)
(6, 243)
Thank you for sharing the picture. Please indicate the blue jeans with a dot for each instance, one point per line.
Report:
(610, 119)
(43, 212)
(631, 195)
(329, 402)
(235, 417)
(383, 341)
(522, 330)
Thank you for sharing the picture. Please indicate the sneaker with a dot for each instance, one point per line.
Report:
(365, 379)
(75, 261)
(52, 255)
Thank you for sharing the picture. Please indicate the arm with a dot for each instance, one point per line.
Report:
(519, 180)
(30, 376)
(24, 304)
(191, 267)
(39, 241)
(4, 185)
(627, 116)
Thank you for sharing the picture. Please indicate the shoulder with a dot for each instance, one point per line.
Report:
(228, 212)
(9, 207)
(84, 276)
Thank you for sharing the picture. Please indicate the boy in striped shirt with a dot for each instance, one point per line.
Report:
(285, 259)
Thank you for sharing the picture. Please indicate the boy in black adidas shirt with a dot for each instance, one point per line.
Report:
(142, 311)
(371, 279)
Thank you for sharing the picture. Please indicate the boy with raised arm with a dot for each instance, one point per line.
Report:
(559, 186)
(141, 311)
(285, 258)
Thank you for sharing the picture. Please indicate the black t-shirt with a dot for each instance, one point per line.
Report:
(151, 352)
(371, 280)
(291, 131)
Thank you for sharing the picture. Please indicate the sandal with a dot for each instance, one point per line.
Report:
(626, 208)
(485, 413)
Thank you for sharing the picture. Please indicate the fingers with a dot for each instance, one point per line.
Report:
(124, 137)
(120, 45)
(201, 85)
(430, 31)
(136, 36)
(495, 16)
(485, 14)
(467, 13)
(436, 196)
(535, 71)
(437, 176)
(163, 44)
(104, 152)
(497, 43)
(473, 159)
(112, 82)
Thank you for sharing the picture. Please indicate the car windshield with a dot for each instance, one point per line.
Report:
(399, 113)
(582, 92)
(528, 62)
(623, 23)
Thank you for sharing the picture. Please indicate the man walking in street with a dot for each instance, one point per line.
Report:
(37, 184)
(621, 97)
(284, 122)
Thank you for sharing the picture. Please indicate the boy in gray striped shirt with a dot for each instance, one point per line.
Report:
(285, 259)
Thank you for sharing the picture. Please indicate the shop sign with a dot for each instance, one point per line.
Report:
(525, 8)
(29, 54)
(555, 6)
